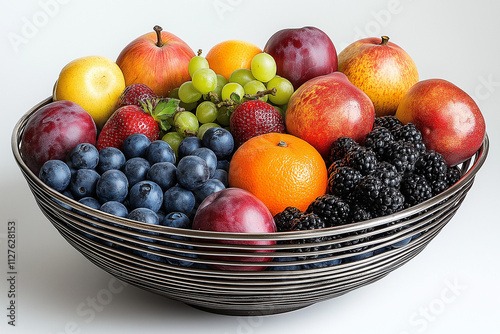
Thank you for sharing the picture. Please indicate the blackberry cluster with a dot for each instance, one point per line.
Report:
(342, 180)
(308, 221)
(340, 148)
(389, 122)
(333, 210)
(378, 140)
(416, 189)
(410, 134)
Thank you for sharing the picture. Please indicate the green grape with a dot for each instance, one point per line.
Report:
(223, 116)
(284, 89)
(263, 67)
(255, 86)
(196, 63)
(205, 127)
(230, 88)
(174, 139)
(174, 93)
(186, 124)
(206, 112)
(187, 93)
(204, 80)
(241, 76)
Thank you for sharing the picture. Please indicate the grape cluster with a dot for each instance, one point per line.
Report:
(209, 98)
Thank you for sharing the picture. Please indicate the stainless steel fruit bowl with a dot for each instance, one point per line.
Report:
(182, 264)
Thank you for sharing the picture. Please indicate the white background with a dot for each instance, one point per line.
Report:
(451, 287)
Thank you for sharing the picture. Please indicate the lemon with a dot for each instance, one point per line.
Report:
(93, 82)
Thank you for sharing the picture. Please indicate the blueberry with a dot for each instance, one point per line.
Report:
(146, 194)
(136, 170)
(135, 146)
(160, 151)
(220, 141)
(323, 264)
(401, 243)
(178, 199)
(209, 156)
(83, 183)
(285, 266)
(161, 215)
(56, 174)
(223, 164)
(163, 174)
(176, 219)
(188, 145)
(110, 158)
(192, 172)
(84, 155)
(357, 257)
(115, 208)
(212, 186)
(222, 176)
(90, 202)
(112, 186)
(144, 215)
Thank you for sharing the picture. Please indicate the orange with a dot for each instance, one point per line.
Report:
(280, 169)
(231, 55)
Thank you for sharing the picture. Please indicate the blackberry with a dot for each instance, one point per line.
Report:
(388, 174)
(342, 180)
(415, 189)
(402, 155)
(410, 134)
(362, 159)
(308, 221)
(454, 174)
(284, 219)
(432, 166)
(438, 186)
(336, 164)
(333, 210)
(359, 213)
(389, 122)
(378, 140)
(378, 197)
(340, 147)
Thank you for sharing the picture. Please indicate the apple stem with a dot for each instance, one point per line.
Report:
(158, 30)
(282, 144)
(385, 40)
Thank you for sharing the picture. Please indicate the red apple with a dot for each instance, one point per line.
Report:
(302, 54)
(237, 211)
(326, 108)
(381, 69)
(157, 59)
(53, 131)
(449, 119)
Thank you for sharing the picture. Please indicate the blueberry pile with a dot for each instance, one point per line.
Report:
(145, 181)
(390, 172)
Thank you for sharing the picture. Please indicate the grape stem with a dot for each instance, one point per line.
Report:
(247, 97)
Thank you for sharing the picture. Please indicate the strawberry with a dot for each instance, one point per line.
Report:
(150, 119)
(133, 94)
(253, 118)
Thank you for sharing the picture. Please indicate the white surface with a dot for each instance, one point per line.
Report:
(451, 287)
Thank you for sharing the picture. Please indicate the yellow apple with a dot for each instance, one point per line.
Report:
(93, 82)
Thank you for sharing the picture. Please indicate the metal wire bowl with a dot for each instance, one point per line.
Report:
(180, 264)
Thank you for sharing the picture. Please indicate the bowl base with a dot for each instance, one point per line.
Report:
(247, 313)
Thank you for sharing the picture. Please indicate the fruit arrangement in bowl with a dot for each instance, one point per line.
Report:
(249, 180)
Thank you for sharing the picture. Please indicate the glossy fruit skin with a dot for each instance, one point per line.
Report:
(110, 158)
(146, 194)
(124, 122)
(133, 94)
(253, 118)
(93, 82)
(280, 169)
(237, 211)
(161, 68)
(192, 172)
(450, 121)
(302, 54)
(83, 183)
(84, 155)
(55, 174)
(53, 131)
(112, 186)
(327, 108)
(178, 199)
(220, 141)
(160, 151)
(384, 72)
